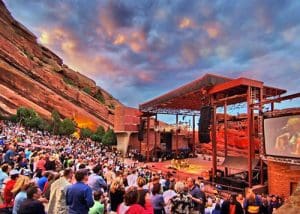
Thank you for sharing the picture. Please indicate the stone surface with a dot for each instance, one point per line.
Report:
(281, 177)
(31, 75)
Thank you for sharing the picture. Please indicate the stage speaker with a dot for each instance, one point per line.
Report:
(141, 128)
(204, 123)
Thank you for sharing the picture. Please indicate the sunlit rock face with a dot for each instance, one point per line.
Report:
(31, 75)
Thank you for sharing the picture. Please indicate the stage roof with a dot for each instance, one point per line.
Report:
(189, 98)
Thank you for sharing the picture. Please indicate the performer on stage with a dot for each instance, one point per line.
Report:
(290, 140)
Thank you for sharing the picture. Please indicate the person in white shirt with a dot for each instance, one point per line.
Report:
(132, 178)
(168, 195)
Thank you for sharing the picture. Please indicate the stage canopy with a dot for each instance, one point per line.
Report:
(189, 98)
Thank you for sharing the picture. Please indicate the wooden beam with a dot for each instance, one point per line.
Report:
(249, 120)
(225, 129)
(148, 132)
(176, 135)
(214, 140)
(194, 139)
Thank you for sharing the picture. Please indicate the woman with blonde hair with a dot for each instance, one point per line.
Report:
(21, 181)
(19, 190)
(116, 193)
(181, 203)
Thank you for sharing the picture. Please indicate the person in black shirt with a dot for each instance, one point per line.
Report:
(32, 205)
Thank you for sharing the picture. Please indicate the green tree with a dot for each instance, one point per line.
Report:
(109, 138)
(100, 131)
(55, 121)
(25, 113)
(33, 122)
(87, 90)
(67, 127)
(86, 133)
(13, 118)
(99, 96)
(96, 138)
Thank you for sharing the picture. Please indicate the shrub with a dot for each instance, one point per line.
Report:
(87, 90)
(85, 133)
(67, 127)
(69, 81)
(109, 138)
(99, 96)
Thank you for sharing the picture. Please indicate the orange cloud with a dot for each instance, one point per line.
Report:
(186, 23)
(145, 77)
(212, 29)
(119, 40)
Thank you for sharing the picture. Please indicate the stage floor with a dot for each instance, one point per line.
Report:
(197, 167)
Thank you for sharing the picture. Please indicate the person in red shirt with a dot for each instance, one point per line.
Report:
(131, 201)
(41, 163)
(232, 206)
(8, 197)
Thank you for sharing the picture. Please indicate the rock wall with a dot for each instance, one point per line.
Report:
(31, 75)
(282, 178)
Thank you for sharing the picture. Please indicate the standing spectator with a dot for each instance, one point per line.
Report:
(252, 203)
(109, 176)
(217, 209)
(4, 173)
(7, 194)
(181, 203)
(197, 196)
(40, 164)
(141, 182)
(98, 207)
(131, 179)
(232, 206)
(264, 208)
(9, 155)
(32, 204)
(57, 201)
(51, 178)
(95, 181)
(168, 195)
(43, 180)
(273, 204)
(50, 163)
(157, 199)
(130, 204)
(19, 190)
(79, 196)
(116, 194)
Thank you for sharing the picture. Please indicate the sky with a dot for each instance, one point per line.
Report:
(140, 49)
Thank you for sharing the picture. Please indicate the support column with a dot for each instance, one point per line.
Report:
(193, 137)
(176, 135)
(139, 134)
(260, 131)
(155, 137)
(249, 120)
(148, 132)
(214, 139)
(225, 129)
(272, 106)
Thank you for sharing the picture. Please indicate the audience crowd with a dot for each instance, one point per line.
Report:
(42, 173)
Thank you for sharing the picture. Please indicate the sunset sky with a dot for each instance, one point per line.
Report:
(139, 49)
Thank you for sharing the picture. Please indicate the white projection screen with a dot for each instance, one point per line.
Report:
(282, 136)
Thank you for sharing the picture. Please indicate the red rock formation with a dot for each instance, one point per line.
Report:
(31, 75)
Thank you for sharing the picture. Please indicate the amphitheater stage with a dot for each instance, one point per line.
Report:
(199, 167)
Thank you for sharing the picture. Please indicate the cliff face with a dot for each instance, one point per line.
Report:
(31, 75)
